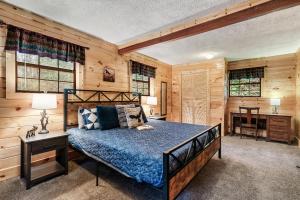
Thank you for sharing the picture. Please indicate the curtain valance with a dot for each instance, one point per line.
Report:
(257, 72)
(142, 69)
(25, 41)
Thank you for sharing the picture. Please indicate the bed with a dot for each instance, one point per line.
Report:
(167, 157)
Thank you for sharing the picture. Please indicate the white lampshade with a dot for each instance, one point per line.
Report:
(152, 101)
(44, 101)
(275, 102)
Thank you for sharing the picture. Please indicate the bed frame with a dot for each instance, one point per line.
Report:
(175, 180)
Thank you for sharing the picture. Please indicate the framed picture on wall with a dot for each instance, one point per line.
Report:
(108, 74)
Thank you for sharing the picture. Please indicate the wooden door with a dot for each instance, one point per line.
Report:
(195, 97)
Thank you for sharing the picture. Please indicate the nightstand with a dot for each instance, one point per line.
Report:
(41, 143)
(158, 117)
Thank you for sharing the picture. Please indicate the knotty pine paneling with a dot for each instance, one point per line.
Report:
(216, 83)
(279, 82)
(16, 115)
(298, 97)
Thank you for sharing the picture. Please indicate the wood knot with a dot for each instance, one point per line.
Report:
(2, 176)
(1, 147)
(18, 108)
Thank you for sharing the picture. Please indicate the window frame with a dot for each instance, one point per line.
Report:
(39, 66)
(249, 83)
(141, 81)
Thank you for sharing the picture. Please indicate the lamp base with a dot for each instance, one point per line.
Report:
(44, 131)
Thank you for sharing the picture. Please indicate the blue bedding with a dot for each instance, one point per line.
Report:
(138, 154)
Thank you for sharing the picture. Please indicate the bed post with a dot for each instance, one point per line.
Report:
(65, 108)
(220, 149)
(166, 176)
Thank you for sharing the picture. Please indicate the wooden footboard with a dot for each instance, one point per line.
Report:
(176, 181)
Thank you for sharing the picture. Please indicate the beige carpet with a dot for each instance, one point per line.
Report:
(249, 169)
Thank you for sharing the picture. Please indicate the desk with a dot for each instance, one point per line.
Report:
(278, 127)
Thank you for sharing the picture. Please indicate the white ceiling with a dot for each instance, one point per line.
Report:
(118, 21)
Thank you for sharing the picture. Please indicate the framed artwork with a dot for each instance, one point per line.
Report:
(108, 74)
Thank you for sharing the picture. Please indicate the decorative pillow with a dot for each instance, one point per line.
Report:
(90, 118)
(108, 117)
(80, 118)
(134, 117)
(121, 114)
(143, 113)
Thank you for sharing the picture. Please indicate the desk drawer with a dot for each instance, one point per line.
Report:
(282, 129)
(279, 121)
(48, 145)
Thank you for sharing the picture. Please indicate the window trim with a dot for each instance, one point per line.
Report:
(142, 81)
(39, 66)
(245, 84)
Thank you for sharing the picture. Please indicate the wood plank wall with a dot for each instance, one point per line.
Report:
(298, 98)
(217, 82)
(279, 82)
(16, 115)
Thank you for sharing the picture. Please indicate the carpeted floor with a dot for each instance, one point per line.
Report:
(249, 169)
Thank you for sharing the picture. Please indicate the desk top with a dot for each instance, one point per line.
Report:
(265, 114)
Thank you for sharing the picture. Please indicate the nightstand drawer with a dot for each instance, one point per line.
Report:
(279, 121)
(48, 145)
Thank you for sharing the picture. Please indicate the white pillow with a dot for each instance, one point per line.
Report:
(134, 117)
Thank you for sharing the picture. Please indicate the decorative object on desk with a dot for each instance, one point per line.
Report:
(152, 101)
(42, 102)
(31, 132)
(108, 74)
(275, 103)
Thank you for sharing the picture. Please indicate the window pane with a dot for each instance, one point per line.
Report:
(139, 77)
(66, 76)
(145, 78)
(66, 65)
(141, 91)
(254, 80)
(49, 74)
(234, 93)
(140, 85)
(235, 81)
(245, 93)
(255, 93)
(235, 87)
(146, 92)
(146, 85)
(48, 62)
(27, 84)
(244, 80)
(134, 84)
(254, 87)
(28, 58)
(65, 85)
(31, 72)
(245, 87)
(49, 86)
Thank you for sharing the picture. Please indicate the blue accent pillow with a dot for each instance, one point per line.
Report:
(143, 113)
(90, 118)
(108, 117)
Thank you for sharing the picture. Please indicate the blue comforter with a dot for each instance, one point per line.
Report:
(137, 153)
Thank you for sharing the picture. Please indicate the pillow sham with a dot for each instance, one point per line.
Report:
(108, 117)
(90, 118)
(121, 114)
(134, 117)
(80, 118)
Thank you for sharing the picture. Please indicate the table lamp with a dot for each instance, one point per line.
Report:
(275, 103)
(152, 101)
(42, 102)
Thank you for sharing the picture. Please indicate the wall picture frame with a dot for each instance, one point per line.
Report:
(108, 74)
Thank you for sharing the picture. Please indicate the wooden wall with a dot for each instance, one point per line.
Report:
(16, 115)
(279, 82)
(298, 97)
(217, 78)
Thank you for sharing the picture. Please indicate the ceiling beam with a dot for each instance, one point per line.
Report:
(228, 18)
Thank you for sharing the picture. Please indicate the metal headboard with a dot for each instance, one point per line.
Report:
(78, 96)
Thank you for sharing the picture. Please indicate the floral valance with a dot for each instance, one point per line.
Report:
(25, 41)
(142, 69)
(257, 72)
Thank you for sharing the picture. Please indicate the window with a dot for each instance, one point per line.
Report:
(39, 74)
(245, 87)
(141, 84)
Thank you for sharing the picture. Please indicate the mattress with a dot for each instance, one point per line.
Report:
(138, 154)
